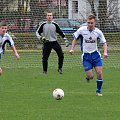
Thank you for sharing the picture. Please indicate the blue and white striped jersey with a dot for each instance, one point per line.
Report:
(89, 39)
(5, 39)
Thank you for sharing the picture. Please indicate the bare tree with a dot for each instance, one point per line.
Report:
(67, 6)
(4, 4)
(113, 9)
(107, 11)
(102, 13)
(91, 2)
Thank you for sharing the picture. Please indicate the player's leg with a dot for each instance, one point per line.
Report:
(88, 67)
(89, 75)
(0, 71)
(60, 54)
(46, 53)
(99, 80)
(98, 69)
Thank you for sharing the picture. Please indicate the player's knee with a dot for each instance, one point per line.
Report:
(90, 77)
(0, 71)
(99, 73)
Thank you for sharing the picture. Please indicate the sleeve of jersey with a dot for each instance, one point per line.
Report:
(7, 39)
(39, 31)
(58, 30)
(102, 38)
(76, 34)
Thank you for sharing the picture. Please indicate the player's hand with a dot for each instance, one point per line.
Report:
(71, 52)
(105, 55)
(67, 43)
(44, 40)
(17, 56)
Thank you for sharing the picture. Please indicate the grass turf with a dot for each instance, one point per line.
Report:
(26, 94)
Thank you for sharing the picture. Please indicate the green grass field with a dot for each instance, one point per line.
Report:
(26, 94)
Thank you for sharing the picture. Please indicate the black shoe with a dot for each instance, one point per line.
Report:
(88, 80)
(44, 72)
(60, 70)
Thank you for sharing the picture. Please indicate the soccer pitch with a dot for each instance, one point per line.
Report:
(26, 93)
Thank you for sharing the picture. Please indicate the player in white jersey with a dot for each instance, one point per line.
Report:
(6, 38)
(91, 57)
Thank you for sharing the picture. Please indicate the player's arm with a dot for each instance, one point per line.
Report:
(74, 42)
(39, 31)
(59, 31)
(103, 41)
(10, 41)
(15, 52)
(105, 54)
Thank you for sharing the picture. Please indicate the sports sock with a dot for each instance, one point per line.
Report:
(99, 85)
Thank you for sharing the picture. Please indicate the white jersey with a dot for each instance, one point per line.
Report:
(6, 38)
(89, 39)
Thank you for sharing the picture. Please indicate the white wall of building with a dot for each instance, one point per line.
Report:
(84, 8)
(81, 9)
(119, 8)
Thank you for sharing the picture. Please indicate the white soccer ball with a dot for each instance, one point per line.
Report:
(58, 94)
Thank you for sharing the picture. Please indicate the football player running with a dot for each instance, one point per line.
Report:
(6, 38)
(91, 57)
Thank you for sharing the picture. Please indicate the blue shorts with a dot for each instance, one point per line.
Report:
(91, 60)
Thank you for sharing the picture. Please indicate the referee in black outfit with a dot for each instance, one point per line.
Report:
(49, 30)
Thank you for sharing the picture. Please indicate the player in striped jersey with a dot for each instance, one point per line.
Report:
(91, 56)
(6, 38)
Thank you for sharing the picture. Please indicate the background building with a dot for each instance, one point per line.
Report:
(79, 9)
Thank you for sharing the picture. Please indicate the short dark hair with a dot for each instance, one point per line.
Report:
(3, 23)
(91, 17)
(49, 11)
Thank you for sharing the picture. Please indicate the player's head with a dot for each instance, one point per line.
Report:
(3, 28)
(49, 16)
(91, 21)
